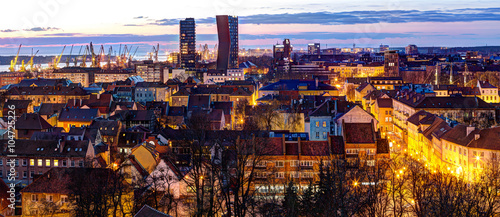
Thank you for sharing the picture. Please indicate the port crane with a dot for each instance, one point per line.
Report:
(109, 56)
(68, 58)
(57, 59)
(29, 63)
(91, 52)
(84, 57)
(13, 62)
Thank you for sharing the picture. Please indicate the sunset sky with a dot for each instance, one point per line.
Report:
(49, 24)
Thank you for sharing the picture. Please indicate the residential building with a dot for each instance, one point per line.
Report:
(187, 44)
(227, 52)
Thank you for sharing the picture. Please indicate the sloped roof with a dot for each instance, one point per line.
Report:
(488, 139)
(50, 108)
(293, 85)
(147, 211)
(19, 104)
(453, 102)
(32, 121)
(384, 102)
(358, 132)
(80, 115)
(458, 135)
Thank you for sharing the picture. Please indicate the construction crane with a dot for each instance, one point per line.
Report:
(57, 59)
(68, 58)
(76, 58)
(13, 62)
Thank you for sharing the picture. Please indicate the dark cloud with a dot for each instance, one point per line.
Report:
(166, 22)
(134, 25)
(8, 30)
(382, 16)
(41, 29)
(140, 17)
(360, 17)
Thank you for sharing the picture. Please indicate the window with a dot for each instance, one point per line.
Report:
(56, 163)
(64, 163)
(317, 123)
(40, 162)
(25, 162)
(25, 174)
(47, 162)
(294, 174)
(280, 164)
(317, 135)
(324, 135)
(1, 173)
(34, 197)
(50, 198)
(1, 162)
(306, 163)
(72, 163)
(17, 162)
(280, 175)
(64, 199)
(32, 173)
(294, 163)
(80, 163)
(324, 123)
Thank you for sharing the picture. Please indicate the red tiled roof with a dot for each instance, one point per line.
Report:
(358, 132)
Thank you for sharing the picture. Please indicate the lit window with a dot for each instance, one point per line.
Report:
(40, 162)
(56, 163)
(47, 162)
(317, 123)
(324, 123)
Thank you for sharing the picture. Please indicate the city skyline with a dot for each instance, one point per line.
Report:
(50, 25)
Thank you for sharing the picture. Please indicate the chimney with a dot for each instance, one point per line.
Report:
(316, 81)
(469, 130)
(98, 96)
(476, 136)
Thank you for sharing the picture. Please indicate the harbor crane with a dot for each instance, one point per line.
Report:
(29, 63)
(57, 59)
(13, 62)
(68, 58)
(76, 58)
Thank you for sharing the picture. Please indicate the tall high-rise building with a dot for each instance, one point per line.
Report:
(227, 30)
(313, 49)
(391, 63)
(187, 44)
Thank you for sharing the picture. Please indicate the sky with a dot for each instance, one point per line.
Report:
(47, 25)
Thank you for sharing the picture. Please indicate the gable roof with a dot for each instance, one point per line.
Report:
(50, 108)
(78, 115)
(32, 121)
(147, 211)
